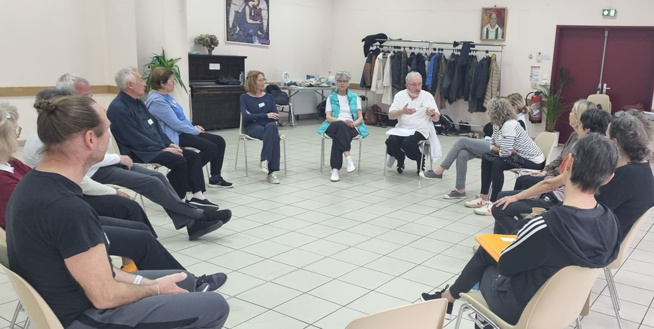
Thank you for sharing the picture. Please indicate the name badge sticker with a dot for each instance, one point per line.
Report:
(150, 121)
(262, 104)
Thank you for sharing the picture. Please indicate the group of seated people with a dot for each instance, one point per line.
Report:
(58, 214)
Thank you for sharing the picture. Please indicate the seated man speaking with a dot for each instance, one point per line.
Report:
(56, 243)
(581, 232)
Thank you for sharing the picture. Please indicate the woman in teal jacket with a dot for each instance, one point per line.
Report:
(342, 126)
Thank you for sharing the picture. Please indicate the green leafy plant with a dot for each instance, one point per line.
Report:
(554, 105)
(160, 60)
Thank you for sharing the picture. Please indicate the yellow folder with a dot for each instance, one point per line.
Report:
(495, 243)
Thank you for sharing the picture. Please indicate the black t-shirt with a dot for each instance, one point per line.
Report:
(47, 222)
(629, 194)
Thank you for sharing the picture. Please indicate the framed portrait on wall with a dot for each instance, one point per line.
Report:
(493, 23)
(248, 21)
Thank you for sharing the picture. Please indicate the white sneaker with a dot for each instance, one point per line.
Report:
(476, 203)
(485, 210)
(350, 166)
(335, 177)
(263, 166)
(272, 178)
(390, 161)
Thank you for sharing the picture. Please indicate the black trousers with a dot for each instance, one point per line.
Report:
(185, 171)
(527, 181)
(400, 146)
(492, 171)
(506, 219)
(341, 136)
(482, 268)
(212, 149)
(135, 241)
(119, 207)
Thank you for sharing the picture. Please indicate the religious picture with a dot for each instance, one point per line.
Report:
(247, 21)
(493, 23)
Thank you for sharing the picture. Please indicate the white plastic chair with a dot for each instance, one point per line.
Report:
(425, 315)
(545, 142)
(601, 99)
(557, 303)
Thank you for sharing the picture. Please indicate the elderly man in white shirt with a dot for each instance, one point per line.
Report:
(416, 112)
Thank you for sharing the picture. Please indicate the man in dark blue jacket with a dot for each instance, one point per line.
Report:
(581, 232)
(139, 136)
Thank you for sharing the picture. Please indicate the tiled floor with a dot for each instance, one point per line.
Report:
(309, 253)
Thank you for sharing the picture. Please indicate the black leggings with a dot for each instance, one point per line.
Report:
(212, 149)
(492, 171)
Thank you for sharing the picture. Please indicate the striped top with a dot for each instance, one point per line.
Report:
(512, 137)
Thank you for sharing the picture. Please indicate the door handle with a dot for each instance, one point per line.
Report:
(604, 89)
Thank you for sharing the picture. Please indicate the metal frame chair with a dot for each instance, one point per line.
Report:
(557, 303)
(243, 136)
(610, 283)
(425, 148)
(426, 315)
(322, 150)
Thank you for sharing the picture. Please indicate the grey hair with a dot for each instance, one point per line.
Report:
(68, 80)
(52, 93)
(124, 76)
(8, 118)
(412, 74)
(500, 111)
(595, 159)
(341, 74)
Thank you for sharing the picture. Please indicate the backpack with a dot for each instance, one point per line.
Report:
(464, 127)
(321, 109)
(370, 117)
(280, 97)
(447, 124)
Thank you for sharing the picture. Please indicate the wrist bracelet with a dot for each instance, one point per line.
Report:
(137, 279)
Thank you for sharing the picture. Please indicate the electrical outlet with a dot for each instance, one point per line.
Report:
(534, 85)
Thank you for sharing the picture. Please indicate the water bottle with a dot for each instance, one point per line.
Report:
(241, 78)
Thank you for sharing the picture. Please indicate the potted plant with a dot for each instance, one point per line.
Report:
(553, 105)
(161, 61)
(209, 41)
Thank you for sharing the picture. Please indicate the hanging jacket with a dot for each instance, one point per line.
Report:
(449, 79)
(405, 70)
(472, 67)
(429, 80)
(440, 77)
(421, 68)
(396, 70)
(352, 101)
(493, 86)
(368, 68)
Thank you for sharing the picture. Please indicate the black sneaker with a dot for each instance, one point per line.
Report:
(222, 215)
(198, 229)
(204, 204)
(438, 295)
(217, 181)
(400, 168)
(214, 281)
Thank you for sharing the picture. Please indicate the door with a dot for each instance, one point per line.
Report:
(628, 65)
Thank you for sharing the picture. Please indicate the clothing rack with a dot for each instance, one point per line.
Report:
(428, 47)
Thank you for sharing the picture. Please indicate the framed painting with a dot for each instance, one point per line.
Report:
(248, 21)
(493, 23)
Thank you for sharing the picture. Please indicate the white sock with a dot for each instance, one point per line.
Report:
(199, 195)
(348, 159)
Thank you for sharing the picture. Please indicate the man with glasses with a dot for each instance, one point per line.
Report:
(415, 111)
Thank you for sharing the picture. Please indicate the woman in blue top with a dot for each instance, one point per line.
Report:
(344, 121)
(179, 130)
(260, 117)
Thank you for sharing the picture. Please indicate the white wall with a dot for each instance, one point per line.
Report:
(300, 40)
(530, 29)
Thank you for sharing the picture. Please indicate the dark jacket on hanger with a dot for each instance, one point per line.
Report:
(396, 70)
(405, 70)
(422, 69)
(472, 67)
(440, 76)
(448, 82)
(476, 100)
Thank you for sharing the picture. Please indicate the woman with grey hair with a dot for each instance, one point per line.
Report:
(342, 125)
(511, 148)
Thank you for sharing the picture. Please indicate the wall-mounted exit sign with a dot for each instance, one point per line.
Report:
(609, 12)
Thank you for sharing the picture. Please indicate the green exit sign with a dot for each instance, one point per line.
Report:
(609, 12)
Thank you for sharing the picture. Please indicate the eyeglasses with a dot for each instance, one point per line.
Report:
(342, 81)
(264, 80)
(19, 129)
(414, 84)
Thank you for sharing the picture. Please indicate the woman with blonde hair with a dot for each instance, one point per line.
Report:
(552, 169)
(511, 147)
(466, 149)
(260, 117)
